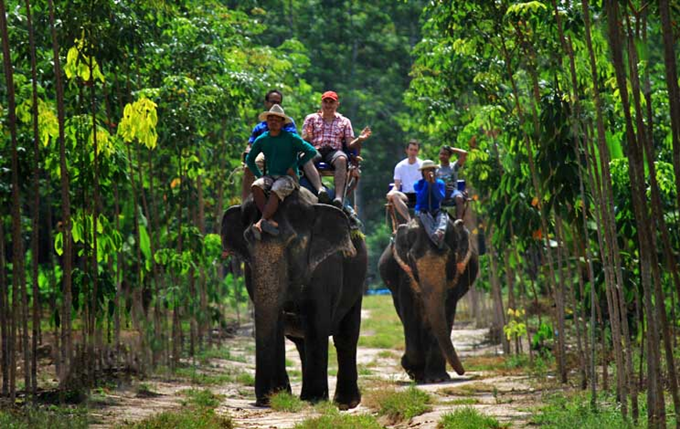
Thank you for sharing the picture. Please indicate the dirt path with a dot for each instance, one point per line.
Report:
(506, 396)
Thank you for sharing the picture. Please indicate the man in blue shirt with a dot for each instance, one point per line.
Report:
(276, 97)
(430, 192)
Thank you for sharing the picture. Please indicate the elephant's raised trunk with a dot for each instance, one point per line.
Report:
(431, 269)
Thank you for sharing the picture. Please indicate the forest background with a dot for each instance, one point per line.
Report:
(123, 125)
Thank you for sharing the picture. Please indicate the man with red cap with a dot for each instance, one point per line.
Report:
(326, 130)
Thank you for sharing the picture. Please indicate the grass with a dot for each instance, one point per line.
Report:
(219, 353)
(332, 418)
(200, 398)
(201, 418)
(44, 418)
(398, 405)
(382, 329)
(462, 401)
(284, 401)
(470, 389)
(574, 411)
(145, 391)
(211, 379)
(468, 418)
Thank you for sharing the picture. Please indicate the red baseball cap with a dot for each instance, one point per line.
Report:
(329, 94)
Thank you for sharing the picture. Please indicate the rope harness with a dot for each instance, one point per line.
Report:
(415, 285)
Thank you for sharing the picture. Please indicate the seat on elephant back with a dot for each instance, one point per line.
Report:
(353, 168)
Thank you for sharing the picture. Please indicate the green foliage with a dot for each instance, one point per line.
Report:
(139, 123)
(515, 328)
(468, 418)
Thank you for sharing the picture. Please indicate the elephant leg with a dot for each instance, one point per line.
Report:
(347, 393)
(315, 370)
(413, 360)
(300, 346)
(270, 365)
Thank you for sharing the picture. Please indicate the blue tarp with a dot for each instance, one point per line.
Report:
(383, 291)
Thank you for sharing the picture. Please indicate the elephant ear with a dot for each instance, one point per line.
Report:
(232, 232)
(330, 234)
(404, 239)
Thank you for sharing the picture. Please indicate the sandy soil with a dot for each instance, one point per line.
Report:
(509, 398)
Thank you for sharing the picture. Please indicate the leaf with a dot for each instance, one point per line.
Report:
(59, 243)
(144, 242)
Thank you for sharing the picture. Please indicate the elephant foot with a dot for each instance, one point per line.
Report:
(314, 398)
(262, 402)
(415, 372)
(347, 401)
(437, 377)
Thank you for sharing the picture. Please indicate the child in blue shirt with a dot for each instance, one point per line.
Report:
(430, 192)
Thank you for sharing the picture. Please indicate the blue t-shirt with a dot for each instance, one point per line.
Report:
(429, 198)
(262, 128)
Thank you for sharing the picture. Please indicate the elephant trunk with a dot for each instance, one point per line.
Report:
(431, 268)
(436, 315)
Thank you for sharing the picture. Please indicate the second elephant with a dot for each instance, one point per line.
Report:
(426, 283)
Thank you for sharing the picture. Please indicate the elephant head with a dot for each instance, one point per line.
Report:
(434, 273)
(280, 266)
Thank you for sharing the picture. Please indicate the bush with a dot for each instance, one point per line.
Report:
(284, 401)
(399, 405)
(201, 398)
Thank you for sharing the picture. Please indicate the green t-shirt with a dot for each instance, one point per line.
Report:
(280, 153)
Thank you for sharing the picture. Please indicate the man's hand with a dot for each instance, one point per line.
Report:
(365, 134)
(429, 176)
(292, 173)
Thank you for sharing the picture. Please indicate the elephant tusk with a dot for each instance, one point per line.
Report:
(409, 272)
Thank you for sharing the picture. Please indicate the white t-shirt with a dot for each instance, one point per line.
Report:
(408, 174)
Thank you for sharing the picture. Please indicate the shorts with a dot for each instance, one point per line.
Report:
(282, 186)
(329, 155)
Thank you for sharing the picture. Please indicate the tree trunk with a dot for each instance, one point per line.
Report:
(66, 340)
(4, 313)
(673, 90)
(35, 214)
(656, 407)
(18, 281)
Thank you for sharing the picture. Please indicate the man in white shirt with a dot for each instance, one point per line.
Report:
(406, 174)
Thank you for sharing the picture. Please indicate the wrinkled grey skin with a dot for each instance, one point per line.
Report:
(427, 309)
(306, 284)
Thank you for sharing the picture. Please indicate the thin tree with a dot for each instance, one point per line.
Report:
(66, 338)
(17, 245)
(35, 213)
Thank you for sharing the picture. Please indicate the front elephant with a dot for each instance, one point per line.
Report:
(426, 284)
(306, 284)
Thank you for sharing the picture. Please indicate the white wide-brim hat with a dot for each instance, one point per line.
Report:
(276, 110)
(428, 164)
